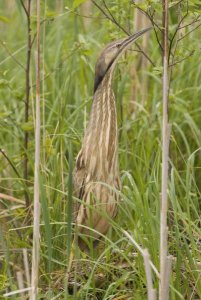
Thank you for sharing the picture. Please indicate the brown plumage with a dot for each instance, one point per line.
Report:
(96, 174)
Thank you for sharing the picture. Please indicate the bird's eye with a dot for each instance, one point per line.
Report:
(118, 45)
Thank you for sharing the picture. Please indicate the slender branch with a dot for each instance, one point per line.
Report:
(140, 249)
(184, 58)
(11, 55)
(113, 20)
(87, 17)
(36, 225)
(150, 290)
(25, 10)
(19, 276)
(34, 37)
(16, 292)
(148, 265)
(175, 33)
(175, 47)
(163, 289)
(11, 198)
(10, 163)
(145, 55)
(189, 32)
(155, 25)
(111, 17)
(178, 3)
(27, 97)
(150, 17)
(191, 23)
(176, 44)
(27, 269)
(2, 151)
(169, 260)
(26, 266)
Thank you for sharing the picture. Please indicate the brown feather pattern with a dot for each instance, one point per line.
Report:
(96, 174)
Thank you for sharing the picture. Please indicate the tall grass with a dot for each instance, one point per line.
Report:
(68, 56)
(36, 204)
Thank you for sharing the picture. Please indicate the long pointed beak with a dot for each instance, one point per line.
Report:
(124, 44)
(128, 41)
(120, 46)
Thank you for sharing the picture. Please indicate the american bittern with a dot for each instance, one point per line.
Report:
(96, 175)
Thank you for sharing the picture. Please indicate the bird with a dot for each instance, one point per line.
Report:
(96, 178)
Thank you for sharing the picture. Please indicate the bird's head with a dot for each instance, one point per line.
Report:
(110, 55)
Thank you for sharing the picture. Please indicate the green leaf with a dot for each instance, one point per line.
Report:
(158, 70)
(4, 19)
(4, 114)
(27, 126)
(173, 3)
(51, 14)
(4, 83)
(77, 3)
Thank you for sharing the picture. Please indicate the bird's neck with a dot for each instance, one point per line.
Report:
(101, 137)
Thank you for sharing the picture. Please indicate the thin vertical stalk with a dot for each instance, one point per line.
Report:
(86, 9)
(20, 282)
(43, 87)
(151, 292)
(163, 290)
(27, 96)
(70, 245)
(26, 269)
(36, 225)
(139, 88)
